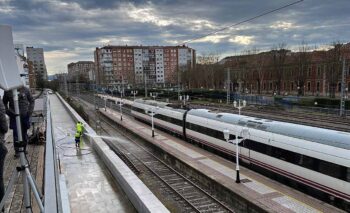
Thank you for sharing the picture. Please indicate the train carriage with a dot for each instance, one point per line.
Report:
(318, 158)
(312, 159)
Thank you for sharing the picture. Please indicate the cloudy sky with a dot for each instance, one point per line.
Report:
(69, 30)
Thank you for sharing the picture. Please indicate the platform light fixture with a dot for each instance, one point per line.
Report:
(184, 98)
(244, 135)
(239, 106)
(153, 95)
(134, 92)
(120, 103)
(152, 114)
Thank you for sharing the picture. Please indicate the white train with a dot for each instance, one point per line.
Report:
(314, 160)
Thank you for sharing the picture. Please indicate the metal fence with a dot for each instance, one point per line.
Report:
(51, 175)
(289, 103)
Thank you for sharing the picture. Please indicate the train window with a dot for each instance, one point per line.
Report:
(251, 124)
(311, 163)
(307, 162)
(262, 127)
(169, 119)
(330, 169)
(139, 110)
(208, 131)
(242, 123)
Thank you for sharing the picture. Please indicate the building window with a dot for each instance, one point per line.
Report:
(339, 87)
(309, 72)
(309, 86)
(318, 71)
(318, 86)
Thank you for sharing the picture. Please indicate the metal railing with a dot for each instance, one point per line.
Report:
(52, 202)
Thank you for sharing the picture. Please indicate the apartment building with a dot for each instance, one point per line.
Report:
(81, 71)
(135, 66)
(36, 56)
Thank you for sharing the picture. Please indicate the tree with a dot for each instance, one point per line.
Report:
(257, 63)
(209, 73)
(301, 60)
(278, 55)
(333, 59)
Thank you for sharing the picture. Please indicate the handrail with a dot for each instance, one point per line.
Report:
(51, 185)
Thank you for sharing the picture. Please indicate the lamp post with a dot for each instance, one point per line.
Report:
(121, 110)
(239, 107)
(298, 88)
(184, 98)
(244, 133)
(153, 95)
(152, 117)
(134, 92)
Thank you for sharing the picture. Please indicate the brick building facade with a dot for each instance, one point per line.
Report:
(317, 73)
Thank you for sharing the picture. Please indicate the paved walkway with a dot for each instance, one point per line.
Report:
(90, 186)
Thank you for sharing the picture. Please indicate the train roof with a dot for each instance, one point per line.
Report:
(315, 134)
(158, 104)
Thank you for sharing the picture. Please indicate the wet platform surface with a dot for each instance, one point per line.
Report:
(271, 195)
(91, 187)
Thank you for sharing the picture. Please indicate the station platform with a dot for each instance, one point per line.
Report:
(90, 186)
(94, 177)
(255, 188)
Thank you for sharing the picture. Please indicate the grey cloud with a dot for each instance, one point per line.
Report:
(80, 25)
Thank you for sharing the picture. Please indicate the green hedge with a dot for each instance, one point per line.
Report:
(331, 103)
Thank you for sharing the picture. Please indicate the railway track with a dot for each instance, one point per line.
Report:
(328, 122)
(189, 195)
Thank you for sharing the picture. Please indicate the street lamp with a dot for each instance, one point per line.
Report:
(152, 114)
(239, 107)
(184, 98)
(244, 133)
(121, 110)
(153, 95)
(134, 92)
(298, 90)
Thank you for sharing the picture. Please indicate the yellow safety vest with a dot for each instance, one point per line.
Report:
(80, 128)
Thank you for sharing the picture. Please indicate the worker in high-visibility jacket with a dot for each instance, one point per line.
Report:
(80, 128)
(79, 133)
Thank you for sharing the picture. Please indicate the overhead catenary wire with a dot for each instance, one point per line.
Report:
(242, 22)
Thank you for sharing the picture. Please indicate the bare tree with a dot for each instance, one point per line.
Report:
(301, 60)
(333, 58)
(209, 71)
(257, 63)
(278, 54)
